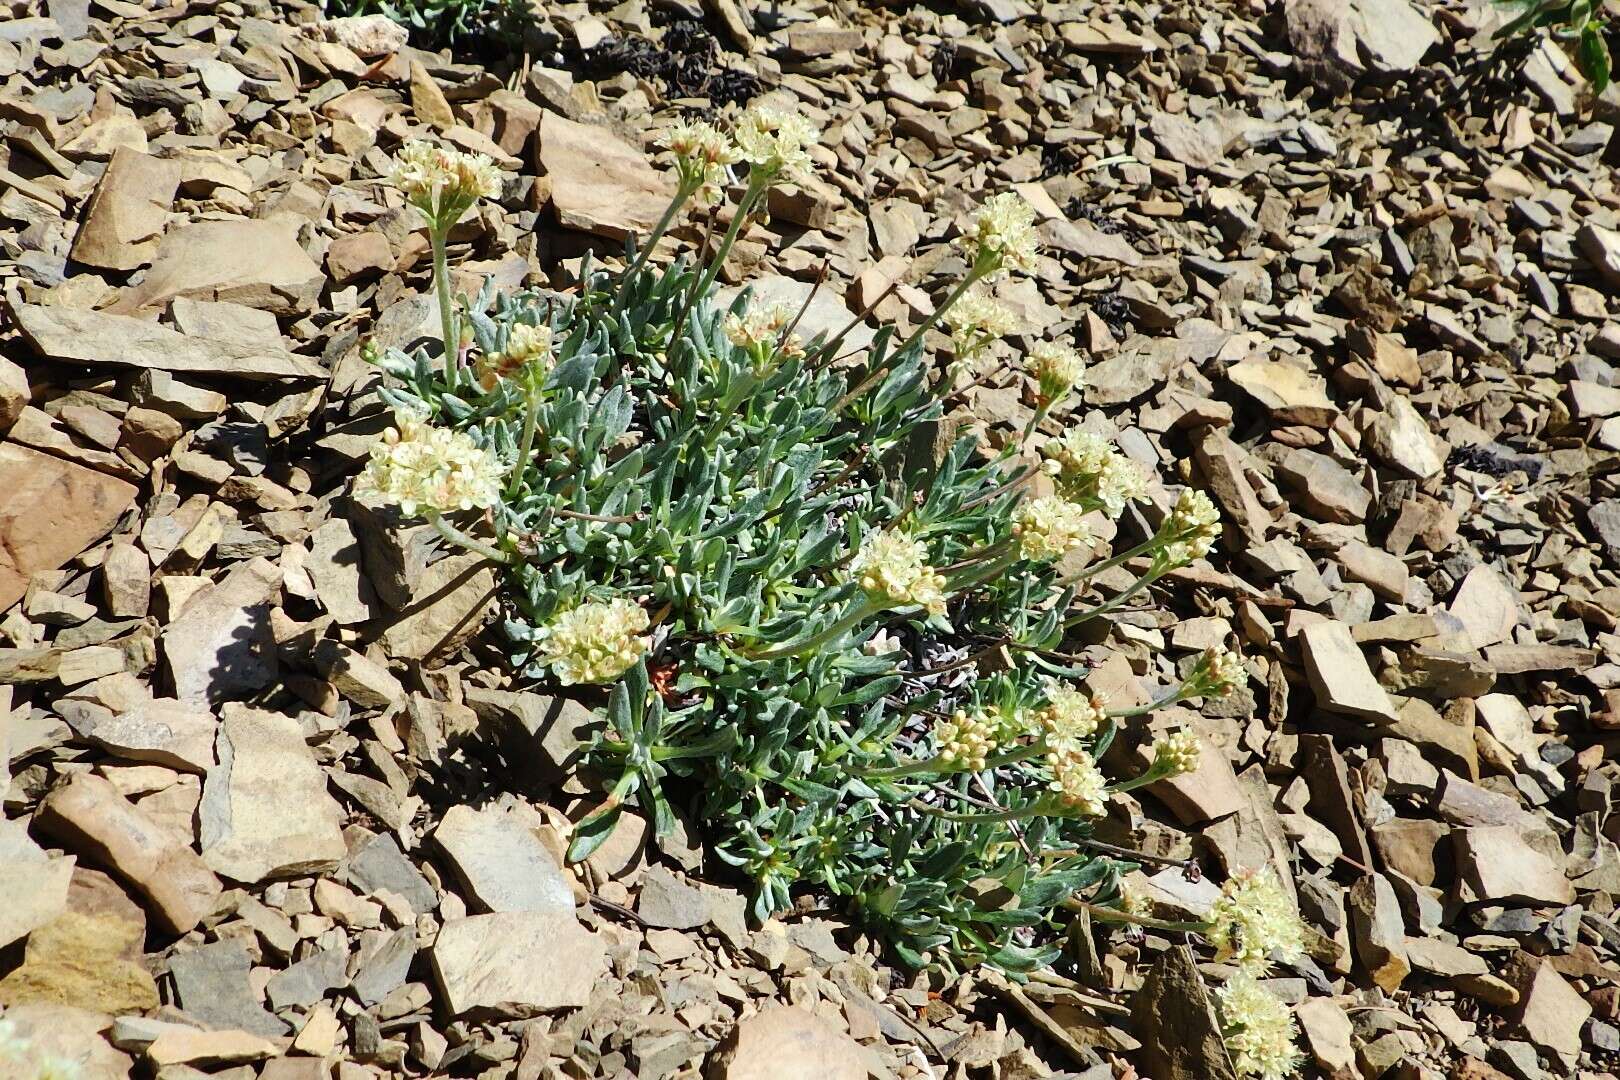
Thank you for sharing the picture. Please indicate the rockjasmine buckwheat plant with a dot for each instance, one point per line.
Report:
(845, 665)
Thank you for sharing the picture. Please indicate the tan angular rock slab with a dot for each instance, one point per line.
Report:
(89, 956)
(52, 510)
(599, 183)
(785, 1042)
(92, 820)
(516, 963)
(266, 811)
(33, 886)
(254, 262)
(128, 212)
(99, 338)
(1339, 675)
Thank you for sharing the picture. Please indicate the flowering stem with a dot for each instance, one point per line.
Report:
(682, 193)
(973, 277)
(526, 444)
(1108, 914)
(1035, 421)
(1109, 605)
(461, 539)
(758, 181)
(1113, 561)
(447, 315)
(1152, 776)
(985, 817)
(1153, 706)
(939, 765)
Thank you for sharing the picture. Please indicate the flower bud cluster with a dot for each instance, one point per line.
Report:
(1070, 716)
(702, 155)
(1057, 368)
(1049, 527)
(977, 319)
(528, 348)
(1175, 753)
(1218, 672)
(966, 739)
(1090, 471)
(894, 572)
(1192, 527)
(438, 180)
(596, 641)
(1080, 786)
(760, 329)
(775, 142)
(425, 468)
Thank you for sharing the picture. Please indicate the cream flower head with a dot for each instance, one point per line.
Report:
(1057, 369)
(775, 142)
(1220, 671)
(1002, 234)
(894, 572)
(976, 319)
(1079, 784)
(1258, 1030)
(702, 155)
(526, 347)
(1194, 524)
(1091, 472)
(1049, 527)
(596, 641)
(1175, 753)
(1070, 716)
(760, 328)
(966, 738)
(433, 469)
(439, 180)
(1253, 919)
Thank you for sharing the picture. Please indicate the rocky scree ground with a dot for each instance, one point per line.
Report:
(272, 806)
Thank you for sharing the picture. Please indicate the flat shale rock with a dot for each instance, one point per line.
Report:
(266, 812)
(516, 963)
(128, 212)
(89, 955)
(101, 338)
(53, 510)
(782, 1042)
(220, 645)
(599, 184)
(501, 862)
(452, 599)
(1174, 1016)
(34, 887)
(213, 983)
(178, 734)
(1339, 675)
(92, 820)
(257, 263)
(1494, 863)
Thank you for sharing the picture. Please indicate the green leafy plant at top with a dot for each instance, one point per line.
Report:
(1582, 22)
(847, 665)
(436, 23)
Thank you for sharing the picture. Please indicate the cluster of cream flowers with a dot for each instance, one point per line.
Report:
(759, 330)
(1253, 919)
(596, 641)
(1049, 527)
(1219, 671)
(1070, 716)
(1079, 784)
(1002, 234)
(1258, 1029)
(1057, 369)
(526, 347)
(894, 572)
(1175, 753)
(426, 468)
(965, 739)
(435, 178)
(1192, 527)
(702, 154)
(1090, 471)
(775, 142)
(976, 319)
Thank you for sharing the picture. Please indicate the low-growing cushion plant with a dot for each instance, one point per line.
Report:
(847, 661)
